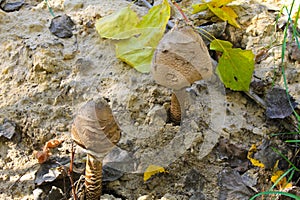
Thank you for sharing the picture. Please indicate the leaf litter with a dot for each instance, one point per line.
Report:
(136, 35)
(278, 105)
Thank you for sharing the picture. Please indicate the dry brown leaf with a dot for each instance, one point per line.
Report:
(42, 156)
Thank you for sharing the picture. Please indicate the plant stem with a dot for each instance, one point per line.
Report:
(93, 178)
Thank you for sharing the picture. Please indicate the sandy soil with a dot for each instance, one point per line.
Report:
(45, 79)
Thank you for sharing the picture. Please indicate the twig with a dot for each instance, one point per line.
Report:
(181, 12)
(70, 172)
(256, 98)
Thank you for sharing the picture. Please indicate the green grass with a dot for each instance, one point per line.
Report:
(291, 171)
(49, 8)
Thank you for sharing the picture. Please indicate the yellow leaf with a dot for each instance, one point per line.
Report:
(137, 39)
(254, 161)
(118, 25)
(215, 3)
(138, 51)
(226, 14)
(231, 16)
(152, 170)
(219, 3)
(282, 184)
(199, 7)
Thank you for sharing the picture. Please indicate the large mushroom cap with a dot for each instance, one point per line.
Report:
(95, 129)
(180, 59)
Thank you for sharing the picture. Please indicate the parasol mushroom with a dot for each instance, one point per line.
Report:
(180, 59)
(96, 131)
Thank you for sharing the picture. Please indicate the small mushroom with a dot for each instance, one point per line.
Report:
(180, 59)
(96, 131)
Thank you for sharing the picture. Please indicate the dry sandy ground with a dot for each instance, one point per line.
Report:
(45, 79)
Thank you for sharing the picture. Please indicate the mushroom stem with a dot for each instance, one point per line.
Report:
(93, 178)
(183, 100)
(175, 112)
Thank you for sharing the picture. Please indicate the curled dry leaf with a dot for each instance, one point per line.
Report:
(42, 156)
(53, 143)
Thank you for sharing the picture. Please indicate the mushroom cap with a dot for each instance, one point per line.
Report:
(95, 129)
(180, 59)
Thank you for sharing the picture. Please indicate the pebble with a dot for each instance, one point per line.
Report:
(11, 7)
(61, 26)
(8, 129)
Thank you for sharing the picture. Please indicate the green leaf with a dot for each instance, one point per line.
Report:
(220, 45)
(235, 66)
(138, 51)
(199, 7)
(137, 39)
(119, 25)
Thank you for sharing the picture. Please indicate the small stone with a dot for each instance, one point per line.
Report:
(194, 181)
(232, 185)
(250, 178)
(8, 129)
(11, 7)
(198, 196)
(169, 197)
(109, 197)
(158, 115)
(61, 26)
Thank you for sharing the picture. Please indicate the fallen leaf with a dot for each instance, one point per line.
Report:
(232, 185)
(118, 25)
(235, 66)
(278, 105)
(139, 38)
(199, 7)
(152, 170)
(254, 161)
(219, 9)
(138, 51)
(52, 171)
(42, 156)
(53, 143)
(226, 14)
(282, 184)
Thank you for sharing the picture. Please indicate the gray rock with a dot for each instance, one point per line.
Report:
(8, 129)
(61, 26)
